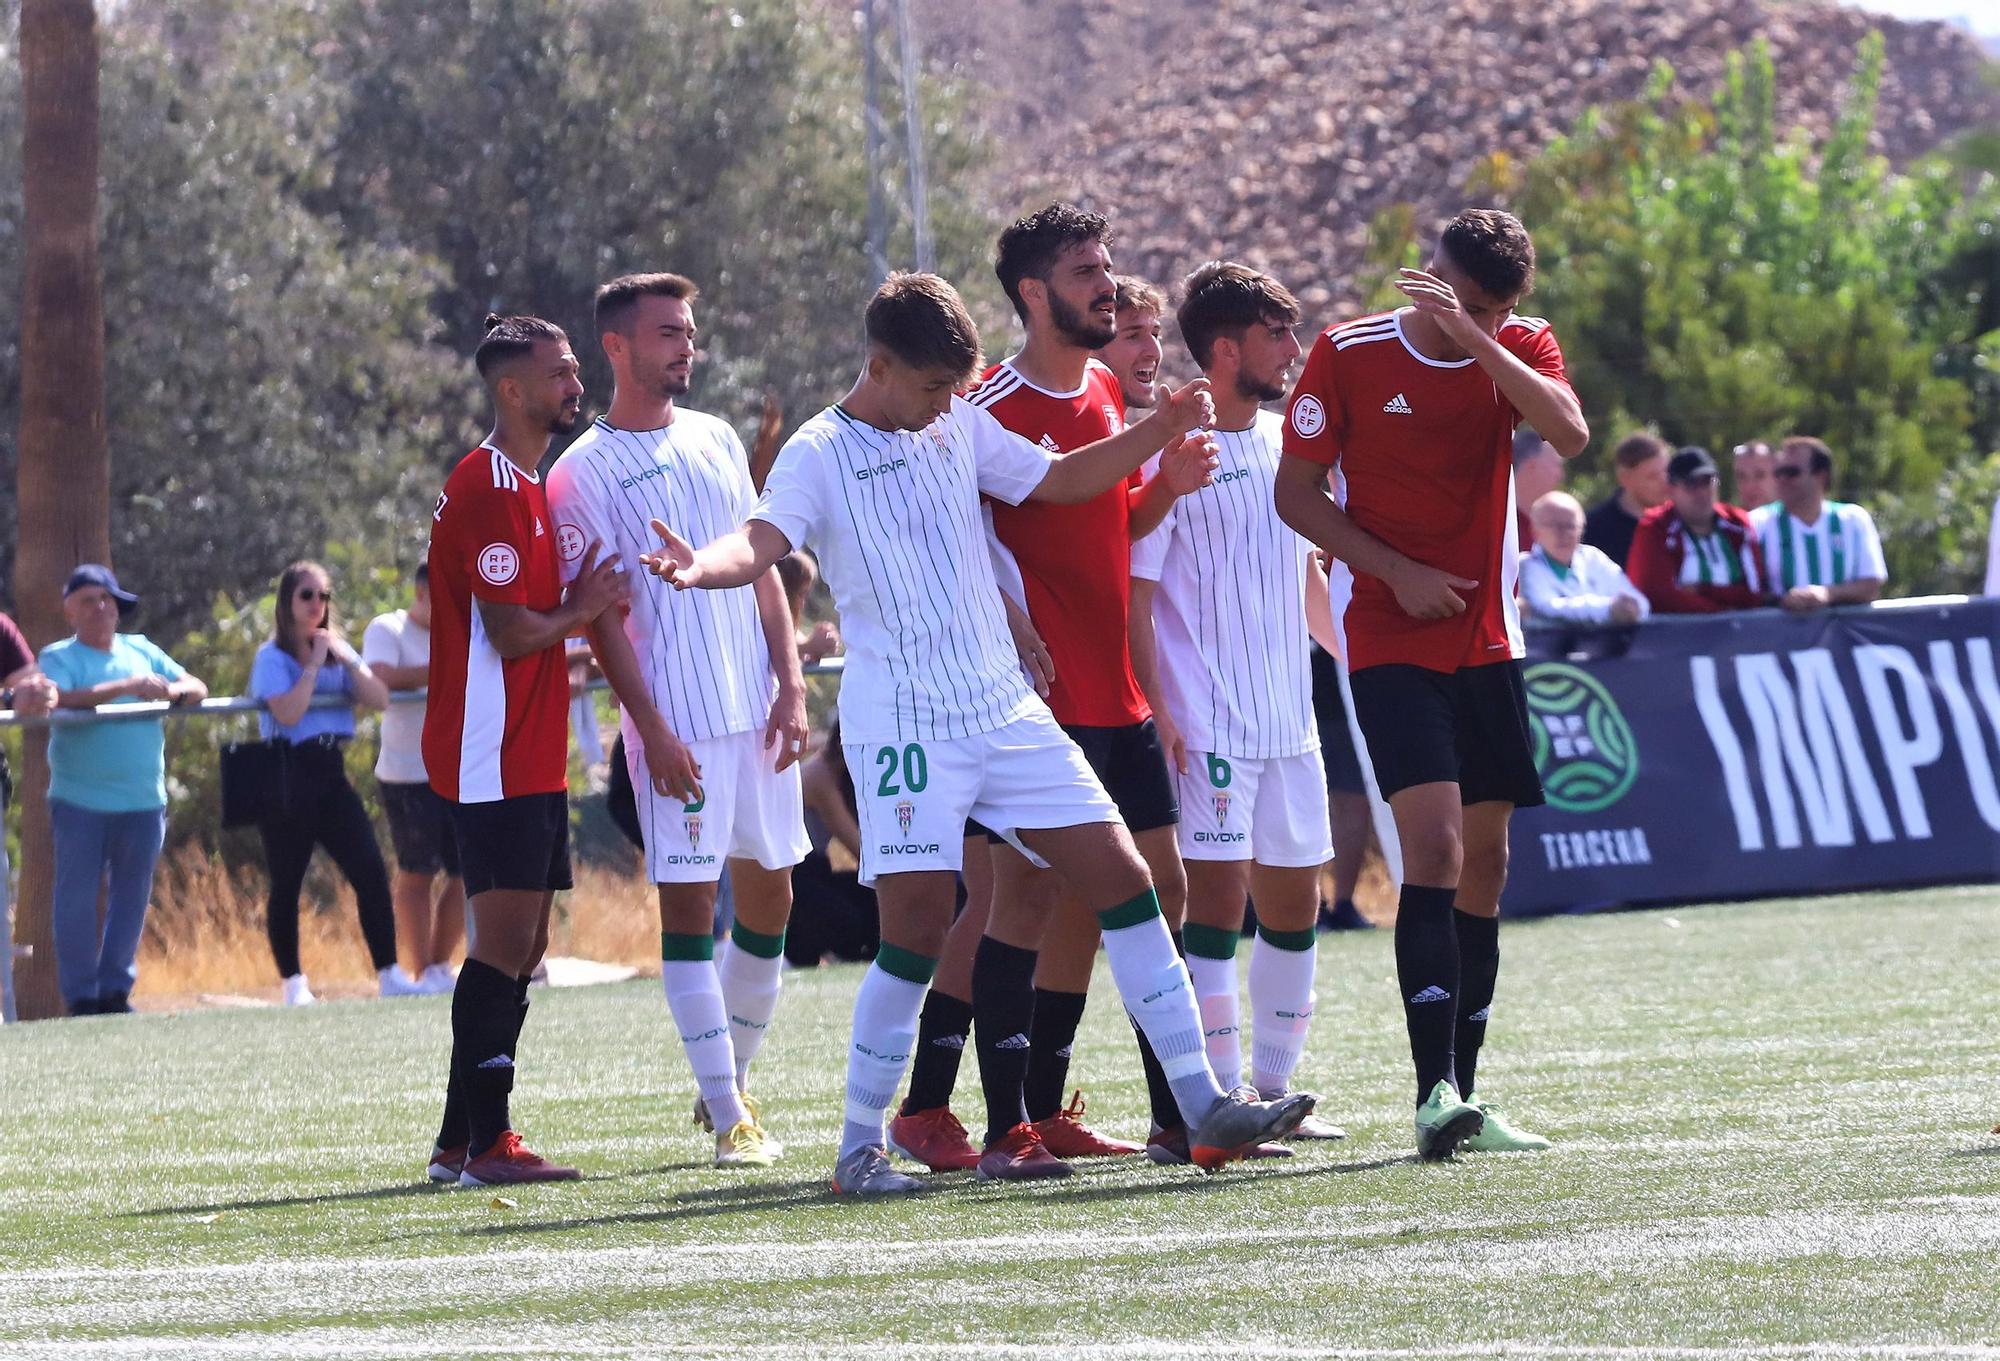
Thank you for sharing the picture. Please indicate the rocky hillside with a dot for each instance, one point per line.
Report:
(1275, 130)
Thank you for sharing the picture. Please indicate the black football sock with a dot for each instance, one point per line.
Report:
(1478, 966)
(453, 1131)
(1057, 1015)
(1159, 1092)
(942, 1028)
(485, 1017)
(1003, 1009)
(1427, 974)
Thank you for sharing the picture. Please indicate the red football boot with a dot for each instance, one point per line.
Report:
(1066, 1136)
(933, 1138)
(510, 1161)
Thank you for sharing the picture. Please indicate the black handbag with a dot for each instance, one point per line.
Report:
(256, 781)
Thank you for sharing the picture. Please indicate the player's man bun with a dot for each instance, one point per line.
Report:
(1030, 246)
(920, 319)
(1494, 249)
(511, 338)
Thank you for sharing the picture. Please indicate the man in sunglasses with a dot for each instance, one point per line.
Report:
(1694, 555)
(1817, 551)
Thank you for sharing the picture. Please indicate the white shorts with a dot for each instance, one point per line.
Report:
(913, 798)
(1272, 810)
(746, 810)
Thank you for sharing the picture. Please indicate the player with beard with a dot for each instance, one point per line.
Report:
(1068, 568)
(712, 693)
(1414, 413)
(1224, 588)
(496, 728)
(939, 724)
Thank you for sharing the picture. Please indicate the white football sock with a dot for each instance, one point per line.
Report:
(1154, 985)
(750, 985)
(1221, 1032)
(1281, 1006)
(694, 995)
(885, 1033)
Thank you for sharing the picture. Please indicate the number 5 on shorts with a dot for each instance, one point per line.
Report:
(910, 763)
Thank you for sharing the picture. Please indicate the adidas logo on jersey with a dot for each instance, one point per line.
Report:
(1049, 444)
(1398, 405)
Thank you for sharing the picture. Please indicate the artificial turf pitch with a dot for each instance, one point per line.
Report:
(1771, 1126)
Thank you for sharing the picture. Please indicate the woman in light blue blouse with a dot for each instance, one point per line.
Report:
(305, 659)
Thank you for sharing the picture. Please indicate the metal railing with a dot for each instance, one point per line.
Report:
(244, 704)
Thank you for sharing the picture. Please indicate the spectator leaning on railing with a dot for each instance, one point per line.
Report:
(397, 648)
(1692, 555)
(1642, 484)
(1817, 552)
(107, 791)
(320, 807)
(1564, 580)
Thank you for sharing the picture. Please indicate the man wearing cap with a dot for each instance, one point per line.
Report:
(1693, 555)
(107, 789)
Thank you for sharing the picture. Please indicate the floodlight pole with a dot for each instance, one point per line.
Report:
(920, 212)
(872, 137)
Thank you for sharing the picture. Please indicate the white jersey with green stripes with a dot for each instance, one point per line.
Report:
(1842, 545)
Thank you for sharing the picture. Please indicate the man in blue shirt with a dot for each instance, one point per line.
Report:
(107, 789)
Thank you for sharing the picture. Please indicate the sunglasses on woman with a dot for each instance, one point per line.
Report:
(308, 593)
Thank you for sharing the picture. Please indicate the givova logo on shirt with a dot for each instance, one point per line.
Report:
(1584, 749)
(881, 469)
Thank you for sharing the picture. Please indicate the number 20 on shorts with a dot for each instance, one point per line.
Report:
(909, 764)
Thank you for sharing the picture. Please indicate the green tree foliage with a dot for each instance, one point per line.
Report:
(310, 205)
(1720, 282)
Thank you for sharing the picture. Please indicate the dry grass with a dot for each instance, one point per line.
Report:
(205, 932)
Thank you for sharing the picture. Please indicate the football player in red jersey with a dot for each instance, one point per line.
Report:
(496, 729)
(1413, 413)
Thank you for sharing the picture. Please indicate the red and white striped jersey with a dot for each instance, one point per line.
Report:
(494, 728)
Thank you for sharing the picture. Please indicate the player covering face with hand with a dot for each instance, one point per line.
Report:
(938, 722)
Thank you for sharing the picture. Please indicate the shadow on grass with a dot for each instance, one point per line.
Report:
(724, 1200)
(421, 1188)
(1983, 1151)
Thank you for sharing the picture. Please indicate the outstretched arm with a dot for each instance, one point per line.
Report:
(733, 560)
(1094, 469)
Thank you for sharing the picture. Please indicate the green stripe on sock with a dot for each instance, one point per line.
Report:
(674, 945)
(1130, 912)
(1287, 940)
(757, 942)
(907, 965)
(1210, 942)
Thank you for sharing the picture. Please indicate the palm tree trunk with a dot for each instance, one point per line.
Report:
(64, 474)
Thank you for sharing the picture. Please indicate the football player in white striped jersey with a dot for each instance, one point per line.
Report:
(1232, 659)
(713, 696)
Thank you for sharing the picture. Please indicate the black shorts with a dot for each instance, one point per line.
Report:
(1467, 727)
(420, 828)
(1336, 743)
(520, 844)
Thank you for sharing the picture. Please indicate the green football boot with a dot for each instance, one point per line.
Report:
(1497, 1136)
(1443, 1122)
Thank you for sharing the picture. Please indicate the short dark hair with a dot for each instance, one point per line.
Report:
(1030, 246)
(1642, 447)
(511, 338)
(921, 320)
(1819, 458)
(1136, 295)
(1494, 249)
(1223, 298)
(1527, 443)
(422, 576)
(619, 299)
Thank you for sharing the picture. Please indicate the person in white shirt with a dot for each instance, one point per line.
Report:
(712, 693)
(1566, 581)
(1226, 583)
(1817, 551)
(430, 916)
(938, 720)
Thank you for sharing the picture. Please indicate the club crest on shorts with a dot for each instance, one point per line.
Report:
(905, 810)
(1221, 807)
(692, 822)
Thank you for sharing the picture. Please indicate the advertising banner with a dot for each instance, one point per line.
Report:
(1762, 753)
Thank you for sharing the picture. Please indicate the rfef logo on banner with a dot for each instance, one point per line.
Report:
(1584, 750)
